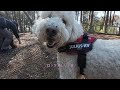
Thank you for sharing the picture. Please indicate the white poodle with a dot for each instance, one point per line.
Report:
(57, 28)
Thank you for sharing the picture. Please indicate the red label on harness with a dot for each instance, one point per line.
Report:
(90, 39)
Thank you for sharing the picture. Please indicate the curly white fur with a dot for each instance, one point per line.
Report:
(103, 62)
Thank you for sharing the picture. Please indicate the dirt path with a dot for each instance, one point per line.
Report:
(28, 61)
(102, 36)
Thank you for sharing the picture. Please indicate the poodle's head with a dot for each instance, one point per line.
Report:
(56, 28)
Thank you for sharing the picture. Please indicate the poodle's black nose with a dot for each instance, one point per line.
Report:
(51, 32)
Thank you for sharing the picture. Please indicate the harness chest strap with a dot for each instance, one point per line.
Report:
(81, 46)
(88, 43)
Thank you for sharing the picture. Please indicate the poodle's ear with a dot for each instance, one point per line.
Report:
(77, 31)
(78, 28)
(68, 17)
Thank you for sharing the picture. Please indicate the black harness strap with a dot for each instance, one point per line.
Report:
(80, 48)
(81, 60)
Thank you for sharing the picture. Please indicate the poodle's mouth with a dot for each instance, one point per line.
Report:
(51, 45)
(51, 42)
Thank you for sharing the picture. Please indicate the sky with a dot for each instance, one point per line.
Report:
(100, 13)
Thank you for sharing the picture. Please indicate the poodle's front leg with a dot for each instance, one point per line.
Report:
(67, 66)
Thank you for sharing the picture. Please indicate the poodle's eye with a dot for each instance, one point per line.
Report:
(64, 21)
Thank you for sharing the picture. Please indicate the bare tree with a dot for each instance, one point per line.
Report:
(24, 19)
(119, 31)
(91, 29)
(102, 26)
(81, 17)
(113, 18)
(106, 21)
(20, 21)
(110, 19)
(29, 17)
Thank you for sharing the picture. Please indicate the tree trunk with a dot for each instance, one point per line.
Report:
(113, 18)
(12, 13)
(81, 19)
(110, 19)
(7, 14)
(91, 29)
(24, 23)
(119, 31)
(29, 18)
(20, 23)
(89, 17)
(77, 15)
(103, 20)
(15, 16)
(106, 21)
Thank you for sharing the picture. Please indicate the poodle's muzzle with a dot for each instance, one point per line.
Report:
(51, 33)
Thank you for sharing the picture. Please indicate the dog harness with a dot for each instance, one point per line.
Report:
(80, 47)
